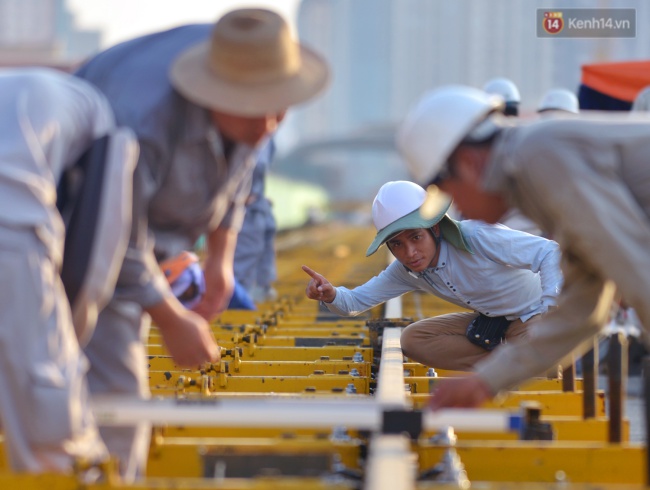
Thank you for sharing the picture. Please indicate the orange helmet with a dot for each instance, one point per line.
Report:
(185, 278)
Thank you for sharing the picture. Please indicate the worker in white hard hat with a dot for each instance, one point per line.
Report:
(506, 278)
(559, 100)
(508, 91)
(584, 180)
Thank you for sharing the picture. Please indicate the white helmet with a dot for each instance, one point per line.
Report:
(642, 101)
(559, 99)
(508, 91)
(503, 87)
(436, 125)
(397, 208)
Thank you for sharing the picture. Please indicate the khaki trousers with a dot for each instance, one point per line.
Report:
(440, 341)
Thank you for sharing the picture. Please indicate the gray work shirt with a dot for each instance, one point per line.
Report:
(47, 120)
(510, 273)
(183, 185)
(586, 181)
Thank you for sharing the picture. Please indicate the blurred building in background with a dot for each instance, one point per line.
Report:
(386, 53)
(42, 32)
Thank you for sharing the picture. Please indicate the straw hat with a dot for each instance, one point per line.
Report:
(251, 66)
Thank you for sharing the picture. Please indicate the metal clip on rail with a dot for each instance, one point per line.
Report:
(532, 427)
(589, 369)
(617, 378)
(450, 469)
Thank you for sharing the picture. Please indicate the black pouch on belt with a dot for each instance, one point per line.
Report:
(487, 331)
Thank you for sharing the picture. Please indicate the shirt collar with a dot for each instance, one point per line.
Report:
(196, 124)
(197, 127)
(443, 257)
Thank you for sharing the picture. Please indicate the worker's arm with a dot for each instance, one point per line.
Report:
(219, 275)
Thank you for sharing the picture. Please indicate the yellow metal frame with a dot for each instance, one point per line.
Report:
(543, 461)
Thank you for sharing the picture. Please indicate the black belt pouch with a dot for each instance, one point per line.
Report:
(487, 331)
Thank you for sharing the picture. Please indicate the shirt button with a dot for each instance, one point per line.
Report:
(487, 312)
(469, 302)
(443, 263)
(447, 284)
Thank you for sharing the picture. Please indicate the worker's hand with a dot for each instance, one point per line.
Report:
(187, 336)
(191, 342)
(319, 288)
(467, 392)
(219, 287)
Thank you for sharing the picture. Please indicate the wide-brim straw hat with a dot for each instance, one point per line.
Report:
(251, 66)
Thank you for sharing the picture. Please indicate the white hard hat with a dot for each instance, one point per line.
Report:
(436, 125)
(397, 208)
(642, 101)
(503, 87)
(559, 99)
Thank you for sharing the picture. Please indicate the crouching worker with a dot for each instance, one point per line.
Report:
(507, 277)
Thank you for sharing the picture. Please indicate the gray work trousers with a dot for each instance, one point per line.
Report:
(254, 264)
(44, 405)
(118, 366)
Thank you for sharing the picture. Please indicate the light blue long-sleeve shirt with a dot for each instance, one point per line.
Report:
(510, 273)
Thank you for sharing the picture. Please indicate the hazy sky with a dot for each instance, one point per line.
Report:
(123, 19)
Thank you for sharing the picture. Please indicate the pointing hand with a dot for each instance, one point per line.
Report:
(319, 288)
